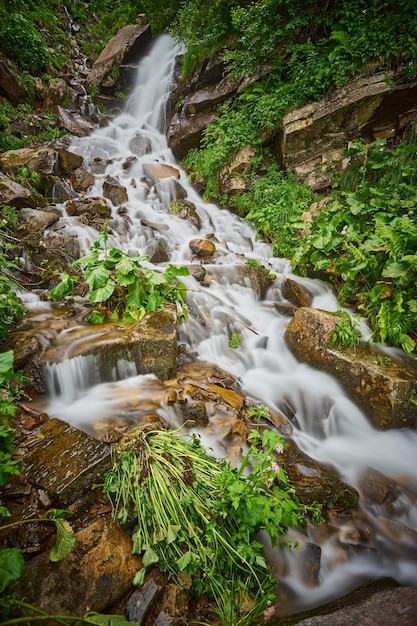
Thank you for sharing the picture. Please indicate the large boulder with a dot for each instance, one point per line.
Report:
(313, 138)
(40, 160)
(124, 48)
(96, 574)
(382, 389)
(13, 194)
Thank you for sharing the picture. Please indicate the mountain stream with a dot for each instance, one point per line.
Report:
(328, 426)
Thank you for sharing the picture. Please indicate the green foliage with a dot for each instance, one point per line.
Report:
(194, 515)
(234, 340)
(274, 203)
(346, 332)
(123, 289)
(11, 567)
(368, 237)
(22, 41)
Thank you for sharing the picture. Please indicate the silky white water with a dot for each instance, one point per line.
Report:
(327, 425)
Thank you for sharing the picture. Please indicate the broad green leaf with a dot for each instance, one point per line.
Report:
(396, 270)
(102, 293)
(64, 542)
(150, 557)
(139, 577)
(6, 366)
(96, 317)
(64, 288)
(172, 533)
(106, 620)
(185, 560)
(98, 277)
(11, 566)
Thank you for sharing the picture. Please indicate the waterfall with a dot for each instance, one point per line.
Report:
(329, 427)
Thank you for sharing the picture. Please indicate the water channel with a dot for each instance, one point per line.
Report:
(328, 426)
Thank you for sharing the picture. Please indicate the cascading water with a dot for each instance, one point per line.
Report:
(328, 426)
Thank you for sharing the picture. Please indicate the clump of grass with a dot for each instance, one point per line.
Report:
(197, 518)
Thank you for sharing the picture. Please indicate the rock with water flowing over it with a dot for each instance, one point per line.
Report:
(94, 576)
(114, 191)
(383, 603)
(73, 122)
(78, 461)
(93, 208)
(155, 171)
(382, 389)
(68, 161)
(81, 179)
(202, 247)
(315, 482)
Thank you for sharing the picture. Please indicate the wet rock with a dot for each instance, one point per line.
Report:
(158, 251)
(82, 179)
(39, 160)
(74, 123)
(198, 272)
(98, 165)
(13, 194)
(202, 247)
(96, 574)
(155, 171)
(382, 603)
(315, 482)
(35, 220)
(92, 207)
(142, 601)
(295, 293)
(186, 211)
(114, 191)
(382, 391)
(68, 161)
(59, 190)
(309, 563)
(140, 145)
(79, 461)
(151, 344)
(375, 488)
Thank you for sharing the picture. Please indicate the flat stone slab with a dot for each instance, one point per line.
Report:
(66, 462)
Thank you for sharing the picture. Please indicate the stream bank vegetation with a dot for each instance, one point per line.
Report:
(195, 517)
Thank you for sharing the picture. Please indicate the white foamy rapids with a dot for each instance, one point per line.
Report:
(327, 425)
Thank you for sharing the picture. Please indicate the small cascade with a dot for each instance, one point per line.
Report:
(326, 424)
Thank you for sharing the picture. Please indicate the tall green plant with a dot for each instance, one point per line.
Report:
(197, 518)
(121, 287)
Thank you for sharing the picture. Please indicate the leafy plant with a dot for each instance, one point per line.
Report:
(123, 289)
(346, 331)
(366, 240)
(274, 203)
(234, 340)
(197, 518)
